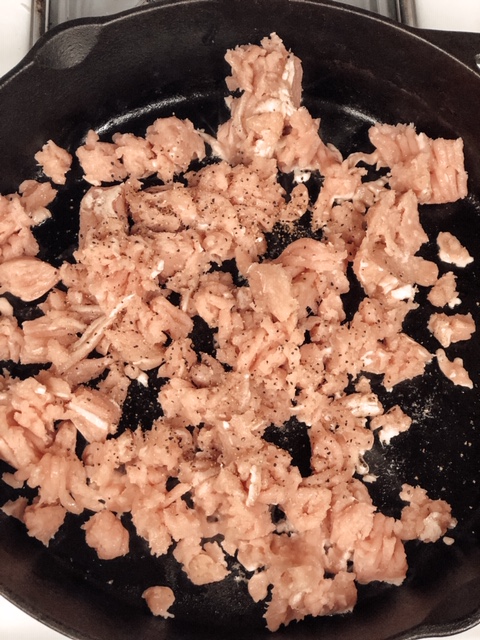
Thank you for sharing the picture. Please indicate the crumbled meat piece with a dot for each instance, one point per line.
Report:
(406, 359)
(55, 162)
(94, 415)
(453, 370)
(11, 339)
(452, 251)
(202, 566)
(28, 278)
(386, 263)
(267, 119)
(105, 533)
(136, 155)
(99, 160)
(391, 423)
(272, 290)
(423, 518)
(450, 329)
(43, 520)
(175, 144)
(159, 600)
(15, 508)
(380, 554)
(444, 291)
(16, 237)
(36, 196)
(433, 169)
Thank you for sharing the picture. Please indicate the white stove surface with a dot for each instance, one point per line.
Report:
(15, 41)
(15, 24)
(16, 625)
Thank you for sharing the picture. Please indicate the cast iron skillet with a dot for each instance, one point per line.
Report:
(120, 73)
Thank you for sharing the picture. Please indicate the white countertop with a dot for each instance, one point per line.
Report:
(15, 24)
(16, 625)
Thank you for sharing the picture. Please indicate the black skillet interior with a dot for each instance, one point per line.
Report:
(121, 73)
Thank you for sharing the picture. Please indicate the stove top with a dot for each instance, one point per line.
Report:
(23, 22)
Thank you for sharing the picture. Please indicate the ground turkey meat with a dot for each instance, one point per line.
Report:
(176, 290)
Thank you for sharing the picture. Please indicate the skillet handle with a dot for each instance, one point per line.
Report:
(464, 46)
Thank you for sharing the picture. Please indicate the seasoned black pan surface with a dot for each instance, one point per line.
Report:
(121, 73)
